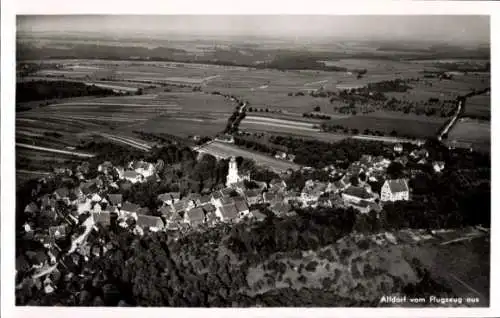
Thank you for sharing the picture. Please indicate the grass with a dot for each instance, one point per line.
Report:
(475, 132)
(479, 105)
(183, 126)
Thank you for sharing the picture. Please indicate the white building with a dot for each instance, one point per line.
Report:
(395, 190)
(233, 176)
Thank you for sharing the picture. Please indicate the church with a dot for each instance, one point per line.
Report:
(233, 177)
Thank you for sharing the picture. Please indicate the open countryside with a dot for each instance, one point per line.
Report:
(160, 169)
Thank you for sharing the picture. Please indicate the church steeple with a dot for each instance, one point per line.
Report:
(232, 173)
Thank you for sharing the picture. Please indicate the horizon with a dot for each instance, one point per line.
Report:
(451, 29)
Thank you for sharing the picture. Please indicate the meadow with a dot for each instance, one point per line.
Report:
(477, 133)
(404, 125)
(478, 106)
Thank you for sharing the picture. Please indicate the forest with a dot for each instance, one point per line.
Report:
(45, 90)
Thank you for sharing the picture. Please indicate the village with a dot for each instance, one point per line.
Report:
(74, 213)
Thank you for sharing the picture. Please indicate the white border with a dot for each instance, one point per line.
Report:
(381, 7)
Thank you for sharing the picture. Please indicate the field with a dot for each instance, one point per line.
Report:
(479, 105)
(459, 85)
(170, 105)
(385, 122)
(224, 150)
(475, 133)
(292, 127)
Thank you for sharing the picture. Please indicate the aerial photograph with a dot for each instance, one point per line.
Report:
(252, 161)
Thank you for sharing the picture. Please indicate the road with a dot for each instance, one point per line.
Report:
(73, 153)
(389, 139)
(452, 121)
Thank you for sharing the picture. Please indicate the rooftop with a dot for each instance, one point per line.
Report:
(358, 192)
(196, 215)
(398, 185)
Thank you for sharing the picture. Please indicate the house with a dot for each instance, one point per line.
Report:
(277, 184)
(281, 208)
(103, 218)
(241, 207)
(310, 196)
(166, 211)
(280, 155)
(120, 172)
(420, 153)
(179, 207)
(96, 207)
(129, 208)
(153, 223)
(357, 194)
(31, 208)
(253, 196)
(269, 196)
(332, 187)
(256, 214)
(61, 193)
(209, 209)
(37, 259)
(195, 217)
(89, 187)
(132, 176)
(365, 160)
(195, 198)
(115, 199)
(227, 212)
(438, 166)
(395, 190)
(216, 199)
(398, 148)
(105, 167)
(144, 211)
(78, 193)
(169, 198)
(143, 168)
(96, 198)
(59, 231)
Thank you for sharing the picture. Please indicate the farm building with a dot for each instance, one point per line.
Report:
(195, 216)
(355, 195)
(395, 190)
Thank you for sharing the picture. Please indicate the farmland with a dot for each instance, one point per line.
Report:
(475, 133)
(478, 106)
(184, 100)
(223, 150)
(386, 122)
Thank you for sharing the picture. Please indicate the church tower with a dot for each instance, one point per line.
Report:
(232, 173)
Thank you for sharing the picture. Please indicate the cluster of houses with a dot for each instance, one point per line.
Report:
(98, 201)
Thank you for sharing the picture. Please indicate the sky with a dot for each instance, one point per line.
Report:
(429, 27)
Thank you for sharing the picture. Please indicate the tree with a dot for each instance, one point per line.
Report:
(395, 170)
(317, 109)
